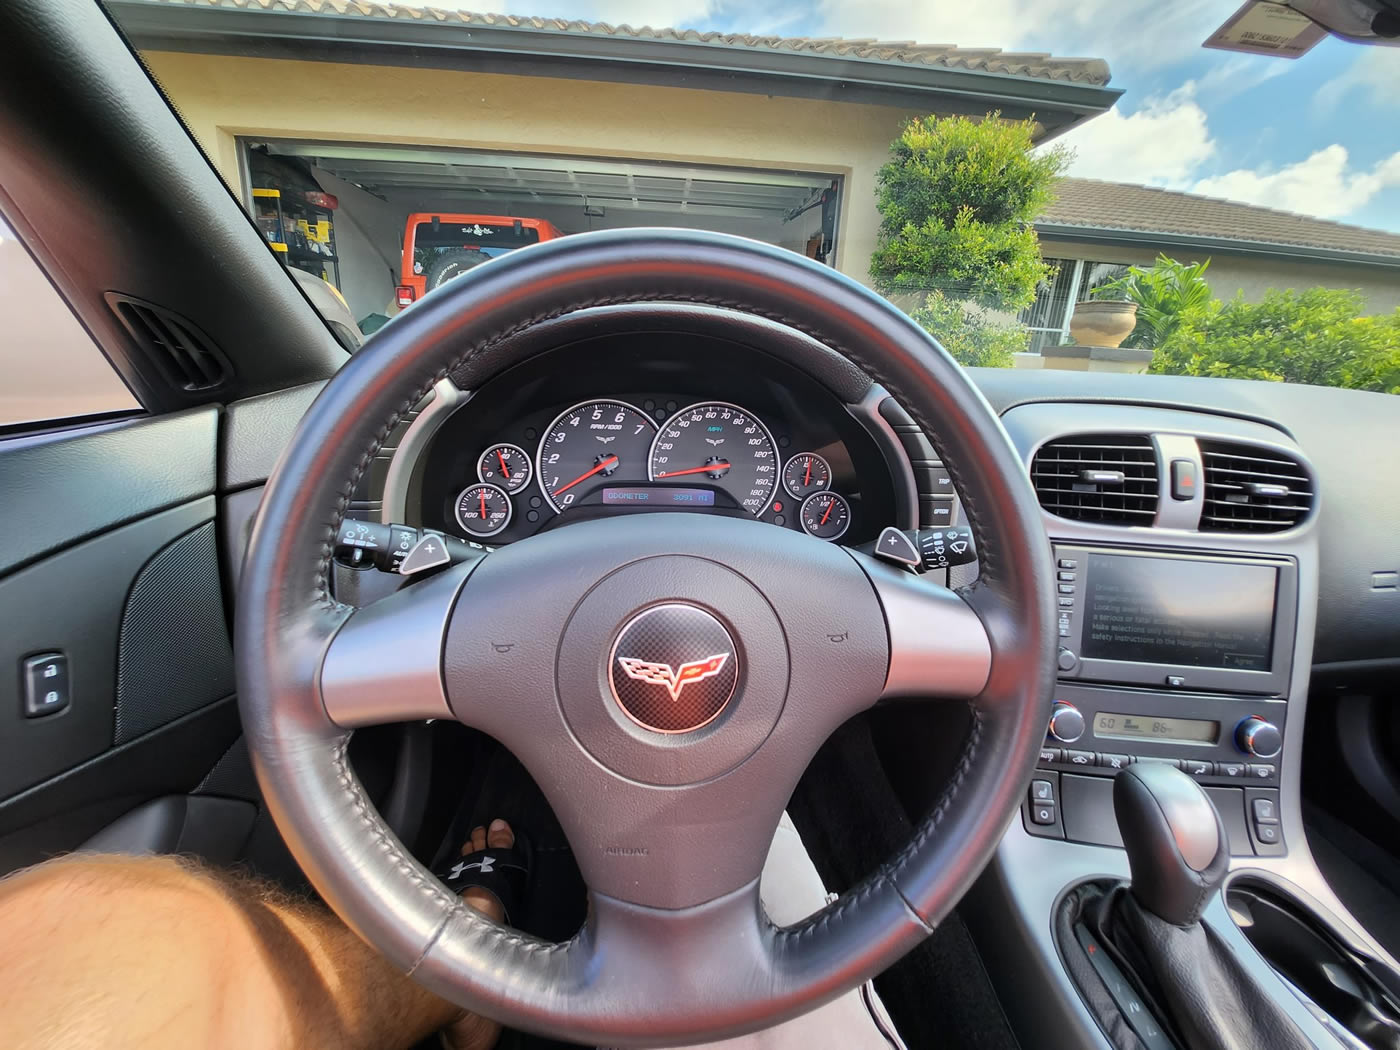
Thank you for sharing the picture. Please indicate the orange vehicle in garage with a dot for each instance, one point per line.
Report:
(438, 247)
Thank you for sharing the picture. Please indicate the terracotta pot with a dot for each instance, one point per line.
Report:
(1102, 323)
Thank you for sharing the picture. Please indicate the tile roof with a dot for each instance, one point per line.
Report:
(1036, 65)
(1092, 204)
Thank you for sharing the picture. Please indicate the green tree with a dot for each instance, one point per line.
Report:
(967, 334)
(956, 200)
(1169, 294)
(1316, 336)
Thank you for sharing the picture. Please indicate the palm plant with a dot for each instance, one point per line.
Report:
(1167, 294)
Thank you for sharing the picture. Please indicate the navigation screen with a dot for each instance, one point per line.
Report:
(1169, 611)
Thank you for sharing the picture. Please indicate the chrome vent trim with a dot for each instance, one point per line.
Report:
(1252, 489)
(1108, 478)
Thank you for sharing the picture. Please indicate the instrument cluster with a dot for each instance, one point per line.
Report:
(609, 452)
(628, 423)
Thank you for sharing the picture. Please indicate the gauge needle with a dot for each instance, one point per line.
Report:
(611, 461)
(504, 469)
(482, 494)
(807, 478)
(706, 469)
(829, 507)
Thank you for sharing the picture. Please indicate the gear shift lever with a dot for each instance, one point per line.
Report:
(1177, 848)
(1198, 986)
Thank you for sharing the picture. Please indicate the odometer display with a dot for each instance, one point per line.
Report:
(719, 444)
(589, 444)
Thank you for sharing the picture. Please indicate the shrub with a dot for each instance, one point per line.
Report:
(967, 334)
(956, 200)
(1315, 336)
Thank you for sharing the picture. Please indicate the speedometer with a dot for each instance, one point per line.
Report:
(721, 444)
(590, 443)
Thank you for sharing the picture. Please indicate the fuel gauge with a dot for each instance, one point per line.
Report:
(825, 515)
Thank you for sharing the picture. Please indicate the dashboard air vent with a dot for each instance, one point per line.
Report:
(1098, 477)
(1251, 489)
(184, 355)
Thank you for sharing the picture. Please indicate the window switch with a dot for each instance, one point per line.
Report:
(45, 685)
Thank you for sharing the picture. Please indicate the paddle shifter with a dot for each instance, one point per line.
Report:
(1177, 848)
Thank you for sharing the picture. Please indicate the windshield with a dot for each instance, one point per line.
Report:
(1186, 188)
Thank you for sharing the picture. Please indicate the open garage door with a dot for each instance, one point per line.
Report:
(377, 189)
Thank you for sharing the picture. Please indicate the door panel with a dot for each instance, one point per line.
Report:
(111, 558)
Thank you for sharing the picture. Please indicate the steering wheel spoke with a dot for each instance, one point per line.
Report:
(385, 662)
(939, 647)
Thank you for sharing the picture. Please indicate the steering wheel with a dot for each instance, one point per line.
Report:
(665, 679)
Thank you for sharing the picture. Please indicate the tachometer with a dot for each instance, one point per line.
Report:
(721, 444)
(589, 443)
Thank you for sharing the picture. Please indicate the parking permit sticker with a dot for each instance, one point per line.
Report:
(1262, 27)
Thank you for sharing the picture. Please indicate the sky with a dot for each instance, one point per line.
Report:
(1318, 135)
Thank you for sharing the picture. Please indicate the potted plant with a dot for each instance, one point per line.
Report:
(1106, 316)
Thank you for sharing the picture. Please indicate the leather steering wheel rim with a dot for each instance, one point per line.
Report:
(682, 953)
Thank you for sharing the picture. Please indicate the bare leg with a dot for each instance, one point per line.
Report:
(155, 952)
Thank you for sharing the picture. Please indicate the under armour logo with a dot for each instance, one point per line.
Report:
(673, 680)
(486, 864)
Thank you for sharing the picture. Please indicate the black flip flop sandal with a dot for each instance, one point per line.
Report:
(502, 872)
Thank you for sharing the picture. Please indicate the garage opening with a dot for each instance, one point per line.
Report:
(387, 224)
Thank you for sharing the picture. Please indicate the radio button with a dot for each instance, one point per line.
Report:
(1197, 767)
(1229, 769)
(1261, 770)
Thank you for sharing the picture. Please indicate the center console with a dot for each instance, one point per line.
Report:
(1187, 566)
(1168, 656)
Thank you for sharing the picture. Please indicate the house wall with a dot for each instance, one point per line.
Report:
(223, 97)
(1253, 276)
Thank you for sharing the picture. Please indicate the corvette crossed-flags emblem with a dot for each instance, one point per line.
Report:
(673, 679)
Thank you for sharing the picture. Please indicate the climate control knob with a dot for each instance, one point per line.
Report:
(1258, 737)
(1066, 723)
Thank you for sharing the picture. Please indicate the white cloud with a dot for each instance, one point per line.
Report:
(1374, 74)
(1325, 184)
(1124, 34)
(1163, 143)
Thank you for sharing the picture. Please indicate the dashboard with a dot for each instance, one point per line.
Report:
(652, 422)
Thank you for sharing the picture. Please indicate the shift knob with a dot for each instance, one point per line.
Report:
(1177, 848)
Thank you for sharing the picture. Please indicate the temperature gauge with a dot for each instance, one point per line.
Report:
(483, 510)
(805, 474)
(825, 515)
(505, 465)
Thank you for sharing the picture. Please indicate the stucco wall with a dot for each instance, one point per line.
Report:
(223, 97)
(1229, 274)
